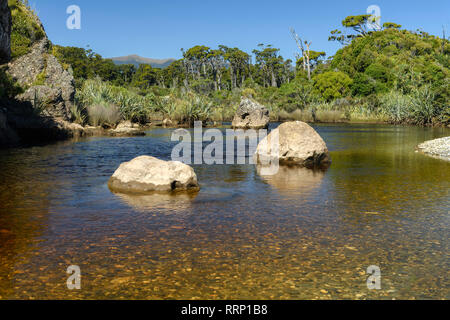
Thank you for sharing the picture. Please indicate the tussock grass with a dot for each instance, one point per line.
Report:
(130, 105)
(330, 116)
(103, 115)
(79, 115)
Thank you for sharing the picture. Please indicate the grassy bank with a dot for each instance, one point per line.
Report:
(99, 103)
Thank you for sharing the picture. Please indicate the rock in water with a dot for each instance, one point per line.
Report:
(127, 128)
(298, 144)
(251, 115)
(5, 32)
(167, 123)
(147, 174)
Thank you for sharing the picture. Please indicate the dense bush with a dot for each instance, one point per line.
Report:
(363, 85)
(25, 29)
(418, 107)
(332, 85)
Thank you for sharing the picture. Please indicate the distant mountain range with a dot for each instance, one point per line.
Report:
(137, 60)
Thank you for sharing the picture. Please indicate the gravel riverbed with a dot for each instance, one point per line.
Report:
(438, 148)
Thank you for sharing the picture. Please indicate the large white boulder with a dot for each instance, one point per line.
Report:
(146, 174)
(298, 144)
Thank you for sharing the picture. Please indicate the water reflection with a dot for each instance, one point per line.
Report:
(149, 202)
(294, 180)
(24, 213)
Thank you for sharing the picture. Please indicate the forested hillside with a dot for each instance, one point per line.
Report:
(387, 75)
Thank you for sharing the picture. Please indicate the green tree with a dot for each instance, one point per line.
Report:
(145, 77)
(125, 74)
(268, 61)
(332, 85)
(238, 63)
(196, 60)
(357, 23)
(175, 73)
(391, 25)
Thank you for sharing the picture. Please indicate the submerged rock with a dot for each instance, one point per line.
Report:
(146, 174)
(251, 115)
(439, 148)
(298, 144)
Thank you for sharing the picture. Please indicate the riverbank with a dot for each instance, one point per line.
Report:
(42, 132)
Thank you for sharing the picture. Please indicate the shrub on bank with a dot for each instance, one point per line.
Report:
(8, 87)
(418, 107)
(130, 105)
(25, 29)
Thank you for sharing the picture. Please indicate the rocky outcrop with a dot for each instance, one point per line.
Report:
(298, 144)
(148, 174)
(51, 89)
(37, 130)
(438, 148)
(5, 32)
(251, 115)
(42, 112)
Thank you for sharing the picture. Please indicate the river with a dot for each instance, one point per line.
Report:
(300, 234)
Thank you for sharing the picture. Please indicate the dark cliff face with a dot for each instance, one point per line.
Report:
(7, 135)
(40, 110)
(5, 32)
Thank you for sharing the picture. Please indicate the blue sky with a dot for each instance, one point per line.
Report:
(158, 29)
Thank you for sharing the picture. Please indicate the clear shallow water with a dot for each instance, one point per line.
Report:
(297, 235)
